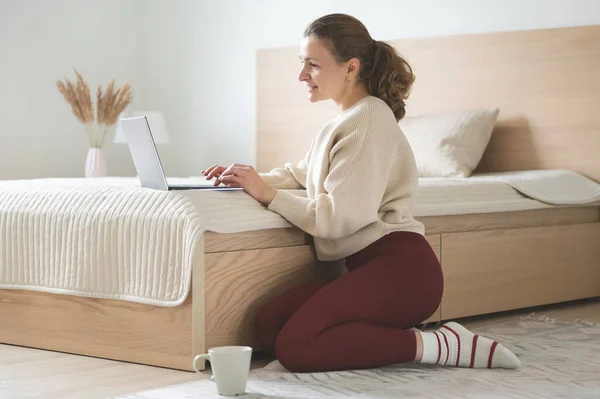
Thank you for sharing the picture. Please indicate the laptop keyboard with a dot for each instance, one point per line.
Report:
(200, 187)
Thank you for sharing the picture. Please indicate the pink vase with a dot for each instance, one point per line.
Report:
(95, 163)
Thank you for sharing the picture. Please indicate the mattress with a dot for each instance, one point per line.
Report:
(110, 238)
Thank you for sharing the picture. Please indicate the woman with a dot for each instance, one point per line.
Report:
(360, 179)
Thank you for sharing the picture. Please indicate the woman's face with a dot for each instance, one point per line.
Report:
(324, 77)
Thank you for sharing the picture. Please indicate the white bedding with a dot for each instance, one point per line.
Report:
(109, 238)
(503, 192)
(556, 187)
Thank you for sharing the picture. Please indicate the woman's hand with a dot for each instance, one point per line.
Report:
(244, 176)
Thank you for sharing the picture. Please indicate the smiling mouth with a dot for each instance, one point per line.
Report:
(311, 88)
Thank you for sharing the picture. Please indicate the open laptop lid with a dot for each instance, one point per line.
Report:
(143, 151)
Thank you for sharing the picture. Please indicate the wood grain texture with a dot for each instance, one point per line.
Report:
(256, 239)
(240, 283)
(98, 327)
(492, 271)
(34, 373)
(544, 82)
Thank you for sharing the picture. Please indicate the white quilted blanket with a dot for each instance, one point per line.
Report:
(130, 244)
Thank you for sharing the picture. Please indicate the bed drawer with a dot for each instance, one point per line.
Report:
(500, 270)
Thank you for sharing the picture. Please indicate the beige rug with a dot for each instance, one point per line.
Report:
(560, 360)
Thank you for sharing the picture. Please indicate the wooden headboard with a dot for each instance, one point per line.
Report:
(545, 82)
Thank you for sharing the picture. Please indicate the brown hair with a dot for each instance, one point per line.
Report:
(385, 73)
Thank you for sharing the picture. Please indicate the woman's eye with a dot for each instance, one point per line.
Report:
(314, 65)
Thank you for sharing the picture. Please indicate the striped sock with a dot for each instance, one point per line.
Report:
(454, 345)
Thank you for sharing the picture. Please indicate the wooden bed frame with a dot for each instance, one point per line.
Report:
(545, 85)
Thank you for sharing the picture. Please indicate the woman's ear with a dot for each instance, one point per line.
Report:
(353, 66)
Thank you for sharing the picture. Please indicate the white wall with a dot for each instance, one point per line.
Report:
(206, 84)
(195, 61)
(41, 42)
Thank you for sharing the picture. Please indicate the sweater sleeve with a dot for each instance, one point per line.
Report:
(354, 188)
(289, 177)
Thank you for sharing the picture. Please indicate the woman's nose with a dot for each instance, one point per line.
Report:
(302, 76)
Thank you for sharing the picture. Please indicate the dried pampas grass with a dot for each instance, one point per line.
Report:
(78, 96)
(109, 105)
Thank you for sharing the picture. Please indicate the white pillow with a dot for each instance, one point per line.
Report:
(449, 144)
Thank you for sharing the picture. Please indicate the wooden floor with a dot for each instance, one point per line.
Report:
(26, 373)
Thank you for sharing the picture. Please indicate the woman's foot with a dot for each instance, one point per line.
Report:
(454, 345)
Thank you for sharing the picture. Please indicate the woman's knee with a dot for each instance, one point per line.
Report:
(292, 354)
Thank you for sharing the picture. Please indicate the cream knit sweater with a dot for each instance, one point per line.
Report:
(360, 179)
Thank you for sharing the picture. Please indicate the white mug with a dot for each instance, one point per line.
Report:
(230, 367)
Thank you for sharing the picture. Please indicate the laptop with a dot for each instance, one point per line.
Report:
(146, 159)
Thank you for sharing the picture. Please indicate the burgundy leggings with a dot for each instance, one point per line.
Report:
(361, 319)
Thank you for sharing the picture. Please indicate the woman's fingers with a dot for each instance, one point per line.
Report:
(221, 169)
(227, 175)
(222, 173)
(209, 169)
(228, 170)
(215, 171)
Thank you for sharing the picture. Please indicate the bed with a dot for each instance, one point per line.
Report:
(491, 234)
